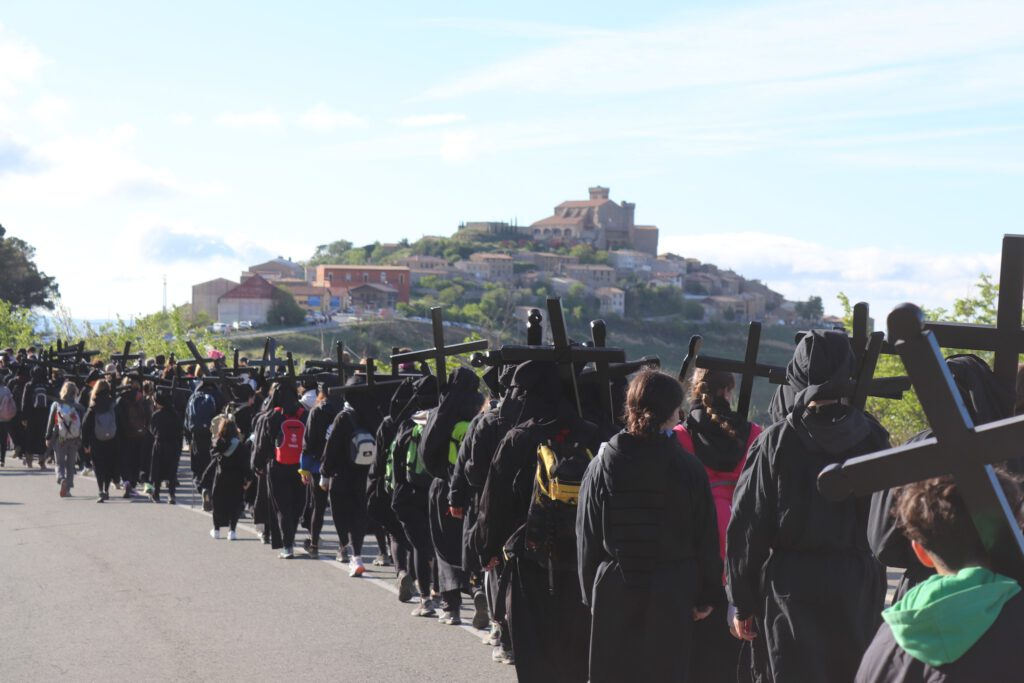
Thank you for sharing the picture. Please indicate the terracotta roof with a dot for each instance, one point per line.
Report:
(582, 203)
(559, 220)
(345, 266)
(373, 285)
(255, 287)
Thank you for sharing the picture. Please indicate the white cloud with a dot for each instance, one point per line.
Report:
(19, 62)
(459, 148)
(182, 119)
(780, 44)
(73, 170)
(325, 118)
(51, 111)
(798, 268)
(425, 120)
(264, 118)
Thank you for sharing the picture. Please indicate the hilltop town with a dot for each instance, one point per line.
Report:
(590, 252)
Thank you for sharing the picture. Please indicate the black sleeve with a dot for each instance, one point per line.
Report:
(459, 491)
(705, 536)
(496, 521)
(89, 428)
(481, 453)
(589, 527)
(401, 446)
(336, 449)
(751, 529)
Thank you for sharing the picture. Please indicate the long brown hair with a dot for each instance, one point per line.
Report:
(708, 385)
(652, 398)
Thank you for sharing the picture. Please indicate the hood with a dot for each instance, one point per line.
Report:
(400, 400)
(714, 448)
(822, 368)
(537, 388)
(987, 398)
(939, 620)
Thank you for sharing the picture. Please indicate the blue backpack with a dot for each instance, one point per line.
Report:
(200, 411)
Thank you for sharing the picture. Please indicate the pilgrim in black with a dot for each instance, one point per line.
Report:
(797, 564)
(648, 546)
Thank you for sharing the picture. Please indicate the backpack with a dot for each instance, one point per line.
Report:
(135, 411)
(40, 400)
(69, 424)
(288, 449)
(364, 448)
(459, 401)
(105, 427)
(201, 410)
(723, 484)
(415, 472)
(550, 529)
(8, 408)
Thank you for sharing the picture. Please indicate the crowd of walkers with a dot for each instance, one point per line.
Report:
(678, 542)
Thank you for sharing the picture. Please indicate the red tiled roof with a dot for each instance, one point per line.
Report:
(582, 203)
(559, 220)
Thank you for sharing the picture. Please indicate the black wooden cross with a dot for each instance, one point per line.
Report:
(1006, 339)
(121, 359)
(747, 369)
(563, 352)
(534, 337)
(958, 448)
(439, 353)
(270, 364)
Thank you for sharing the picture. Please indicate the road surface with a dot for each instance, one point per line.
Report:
(131, 590)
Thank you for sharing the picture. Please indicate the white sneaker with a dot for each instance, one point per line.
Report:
(215, 534)
(355, 567)
(232, 536)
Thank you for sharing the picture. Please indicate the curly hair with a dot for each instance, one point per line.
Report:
(652, 399)
(933, 513)
(708, 384)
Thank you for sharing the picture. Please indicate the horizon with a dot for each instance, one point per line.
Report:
(816, 146)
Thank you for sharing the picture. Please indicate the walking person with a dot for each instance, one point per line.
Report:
(64, 432)
(165, 429)
(647, 540)
(228, 475)
(99, 434)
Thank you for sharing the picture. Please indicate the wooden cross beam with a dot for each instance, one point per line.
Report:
(439, 353)
(598, 339)
(534, 337)
(563, 352)
(1006, 339)
(121, 359)
(270, 364)
(958, 448)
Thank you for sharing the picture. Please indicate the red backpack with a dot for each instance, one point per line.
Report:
(288, 449)
(723, 484)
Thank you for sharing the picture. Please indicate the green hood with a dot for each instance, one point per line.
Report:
(939, 620)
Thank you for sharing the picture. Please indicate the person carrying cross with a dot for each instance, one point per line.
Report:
(797, 564)
(961, 625)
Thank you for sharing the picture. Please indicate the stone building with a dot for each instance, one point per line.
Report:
(598, 221)
(279, 268)
(613, 301)
(373, 296)
(205, 296)
(484, 266)
(251, 300)
(591, 275)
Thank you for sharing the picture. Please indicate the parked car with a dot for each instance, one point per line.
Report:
(245, 325)
(219, 328)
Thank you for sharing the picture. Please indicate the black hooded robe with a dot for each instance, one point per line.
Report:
(647, 538)
(797, 562)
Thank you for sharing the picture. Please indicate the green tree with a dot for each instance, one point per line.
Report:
(16, 325)
(285, 309)
(330, 254)
(22, 284)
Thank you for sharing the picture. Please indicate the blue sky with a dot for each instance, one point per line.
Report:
(871, 147)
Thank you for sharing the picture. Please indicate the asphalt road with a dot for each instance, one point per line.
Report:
(130, 590)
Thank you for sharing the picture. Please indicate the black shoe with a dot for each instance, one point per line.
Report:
(481, 619)
(171, 501)
(207, 502)
(405, 586)
(127, 492)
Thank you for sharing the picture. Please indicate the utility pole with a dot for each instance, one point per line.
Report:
(165, 292)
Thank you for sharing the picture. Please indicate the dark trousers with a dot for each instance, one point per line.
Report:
(104, 462)
(163, 465)
(417, 529)
(288, 496)
(200, 454)
(348, 508)
(3, 442)
(130, 456)
(317, 498)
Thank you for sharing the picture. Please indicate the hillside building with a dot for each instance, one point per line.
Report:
(279, 268)
(205, 296)
(351, 277)
(598, 221)
(613, 301)
(250, 300)
(490, 267)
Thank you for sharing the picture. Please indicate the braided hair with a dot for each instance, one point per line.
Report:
(706, 386)
(652, 399)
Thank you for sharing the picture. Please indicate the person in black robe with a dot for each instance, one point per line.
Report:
(962, 625)
(647, 540)
(132, 425)
(548, 621)
(287, 495)
(799, 565)
(379, 487)
(719, 438)
(103, 453)
(987, 399)
(318, 422)
(228, 474)
(35, 403)
(344, 479)
(166, 428)
(467, 483)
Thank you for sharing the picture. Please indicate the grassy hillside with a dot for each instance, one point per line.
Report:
(667, 340)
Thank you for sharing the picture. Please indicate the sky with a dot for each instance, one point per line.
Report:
(872, 147)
